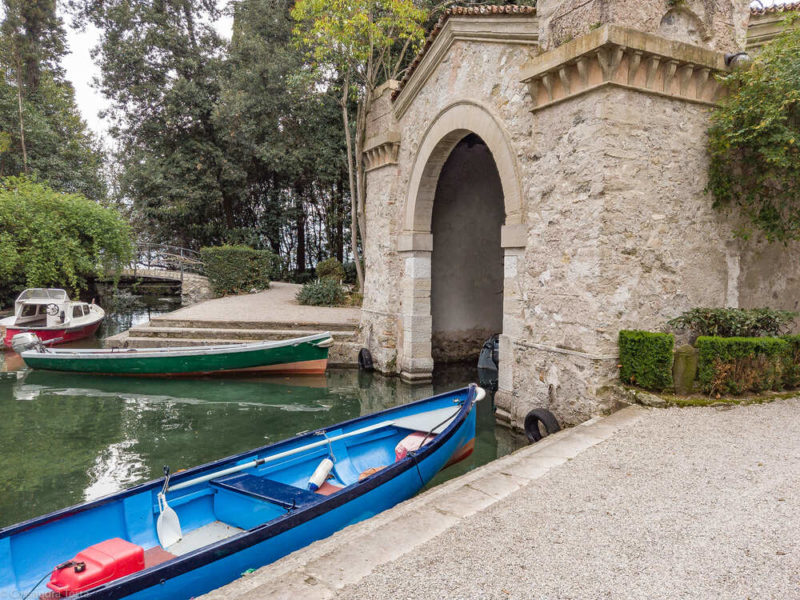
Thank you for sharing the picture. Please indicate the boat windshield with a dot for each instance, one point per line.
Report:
(42, 294)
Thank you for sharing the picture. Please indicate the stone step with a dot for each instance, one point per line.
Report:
(342, 353)
(200, 324)
(216, 334)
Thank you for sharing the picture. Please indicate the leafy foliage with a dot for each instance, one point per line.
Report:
(754, 141)
(791, 368)
(331, 268)
(322, 292)
(646, 359)
(238, 269)
(53, 239)
(735, 322)
(356, 46)
(740, 364)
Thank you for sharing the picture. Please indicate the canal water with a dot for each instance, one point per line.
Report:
(68, 438)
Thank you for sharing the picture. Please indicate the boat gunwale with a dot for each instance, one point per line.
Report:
(118, 353)
(199, 469)
(56, 327)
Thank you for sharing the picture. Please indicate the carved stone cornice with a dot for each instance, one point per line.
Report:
(381, 150)
(618, 56)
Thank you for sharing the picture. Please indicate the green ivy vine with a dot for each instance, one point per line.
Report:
(754, 141)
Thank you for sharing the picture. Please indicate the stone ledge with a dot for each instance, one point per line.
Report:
(321, 569)
(613, 55)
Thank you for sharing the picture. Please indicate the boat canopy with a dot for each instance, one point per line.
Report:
(51, 294)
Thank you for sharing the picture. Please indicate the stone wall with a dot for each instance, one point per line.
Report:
(599, 145)
(717, 25)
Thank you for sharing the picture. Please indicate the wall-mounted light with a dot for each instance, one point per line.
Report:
(738, 60)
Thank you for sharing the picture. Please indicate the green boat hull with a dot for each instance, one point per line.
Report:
(299, 356)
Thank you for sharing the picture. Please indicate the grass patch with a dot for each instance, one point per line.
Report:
(702, 400)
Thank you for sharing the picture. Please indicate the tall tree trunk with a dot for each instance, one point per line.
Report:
(21, 119)
(353, 191)
(339, 224)
(301, 229)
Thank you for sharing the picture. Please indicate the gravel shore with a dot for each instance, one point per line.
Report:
(685, 503)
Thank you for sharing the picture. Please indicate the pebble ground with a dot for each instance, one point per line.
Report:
(684, 503)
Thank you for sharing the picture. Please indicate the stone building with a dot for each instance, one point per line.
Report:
(540, 173)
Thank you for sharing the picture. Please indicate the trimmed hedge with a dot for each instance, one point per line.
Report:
(737, 364)
(791, 368)
(322, 292)
(238, 269)
(735, 322)
(646, 359)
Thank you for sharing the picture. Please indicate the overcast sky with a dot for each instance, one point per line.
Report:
(81, 70)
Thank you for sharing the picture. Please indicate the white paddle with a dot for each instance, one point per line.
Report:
(168, 525)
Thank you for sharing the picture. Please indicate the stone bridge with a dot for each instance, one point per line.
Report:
(194, 287)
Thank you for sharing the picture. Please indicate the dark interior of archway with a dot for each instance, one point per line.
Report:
(467, 260)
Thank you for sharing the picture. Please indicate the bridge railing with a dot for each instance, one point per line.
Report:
(163, 257)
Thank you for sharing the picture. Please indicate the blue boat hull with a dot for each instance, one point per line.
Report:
(30, 550)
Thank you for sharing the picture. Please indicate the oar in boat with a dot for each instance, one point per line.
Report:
(168, 526)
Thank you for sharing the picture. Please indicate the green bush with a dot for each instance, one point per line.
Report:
(737, 364)
(331, 268)
(52, 239)
(791, 368)
(350, 273)
(322, 292)
(646, 359)
(735, 322)
(238, 269)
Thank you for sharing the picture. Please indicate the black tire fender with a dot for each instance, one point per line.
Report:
(365, 360)
(543, 416)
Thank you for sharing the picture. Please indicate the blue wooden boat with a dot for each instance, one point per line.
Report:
(181, 536)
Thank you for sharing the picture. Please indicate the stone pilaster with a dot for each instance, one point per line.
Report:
(416, 363)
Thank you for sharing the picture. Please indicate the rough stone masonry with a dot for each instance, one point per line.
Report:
(593, 117)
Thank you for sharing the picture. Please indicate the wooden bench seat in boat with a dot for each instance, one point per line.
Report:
(287, 496)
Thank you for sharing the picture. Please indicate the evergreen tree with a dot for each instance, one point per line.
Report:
(41, 131)
(284, 133)
(161, 68)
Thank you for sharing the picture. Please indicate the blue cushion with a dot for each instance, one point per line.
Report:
(287, 496)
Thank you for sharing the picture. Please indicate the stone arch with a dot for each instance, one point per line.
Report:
(684, 25)
(449, 127)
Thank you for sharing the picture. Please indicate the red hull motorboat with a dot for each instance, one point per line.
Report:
(52, 316)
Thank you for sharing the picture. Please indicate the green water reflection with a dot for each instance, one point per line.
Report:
(69, 438)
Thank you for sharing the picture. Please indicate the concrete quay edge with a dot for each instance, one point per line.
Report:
(319, 570)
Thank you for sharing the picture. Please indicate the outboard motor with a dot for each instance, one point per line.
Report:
(26, 341)
(488, 363)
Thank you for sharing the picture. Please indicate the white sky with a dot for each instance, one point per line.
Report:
(81, 70)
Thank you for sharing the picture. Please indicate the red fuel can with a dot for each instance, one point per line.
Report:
(95, 565)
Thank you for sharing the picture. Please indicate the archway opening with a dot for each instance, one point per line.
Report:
(467, 259)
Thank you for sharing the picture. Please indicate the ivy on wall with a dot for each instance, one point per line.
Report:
(754, 141)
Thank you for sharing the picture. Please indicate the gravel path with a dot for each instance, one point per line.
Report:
(276, 304)
(685, 503)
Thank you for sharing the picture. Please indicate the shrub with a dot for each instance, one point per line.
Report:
(735, 322)
(237, 269)
(737, 364)
(646, 359)
(331, 268)
(322, 292)
(791, 368)
(52, 239)
(350, 273)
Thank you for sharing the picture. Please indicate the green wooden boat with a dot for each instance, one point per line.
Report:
(304, 355)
